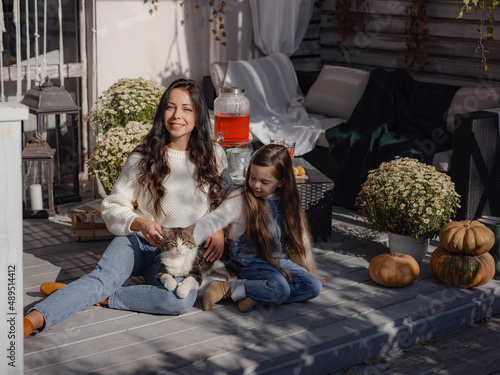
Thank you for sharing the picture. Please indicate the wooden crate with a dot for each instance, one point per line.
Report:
(89, 226)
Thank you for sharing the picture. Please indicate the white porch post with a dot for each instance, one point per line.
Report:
(11, 238)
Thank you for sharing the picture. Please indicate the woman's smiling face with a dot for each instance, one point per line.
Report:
(180, 118)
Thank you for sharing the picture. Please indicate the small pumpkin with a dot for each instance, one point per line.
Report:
(468, 237)
(394, 269)
(465, 271)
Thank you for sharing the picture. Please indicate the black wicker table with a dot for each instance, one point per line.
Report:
(316, 193)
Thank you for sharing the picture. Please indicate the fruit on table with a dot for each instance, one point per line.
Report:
(299, 171)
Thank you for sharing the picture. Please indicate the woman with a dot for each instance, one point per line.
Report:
(176, 176)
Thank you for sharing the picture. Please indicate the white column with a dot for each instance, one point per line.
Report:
(11, 239)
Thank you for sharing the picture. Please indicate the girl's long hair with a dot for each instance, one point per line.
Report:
(294, 218)
(154, 165)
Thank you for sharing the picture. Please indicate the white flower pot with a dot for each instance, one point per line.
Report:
(99, 191)
(416, 247)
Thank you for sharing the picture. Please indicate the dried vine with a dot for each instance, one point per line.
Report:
(347, 23)
(217, 19)
(487, 7)
(218, 13)
(154, 5)
(418, 34)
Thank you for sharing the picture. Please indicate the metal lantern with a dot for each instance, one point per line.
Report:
(38, 179)
(57, 122)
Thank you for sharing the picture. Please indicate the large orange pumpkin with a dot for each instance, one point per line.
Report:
(394, 269)
(467, 237)
(465, 271)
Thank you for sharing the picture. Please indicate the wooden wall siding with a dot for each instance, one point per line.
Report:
(450, 46)
(308, 55)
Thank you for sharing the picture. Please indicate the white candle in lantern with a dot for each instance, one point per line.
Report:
(36, 197)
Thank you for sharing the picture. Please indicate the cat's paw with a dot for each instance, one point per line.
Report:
(186, 286)
(183, 291)
(169, 282)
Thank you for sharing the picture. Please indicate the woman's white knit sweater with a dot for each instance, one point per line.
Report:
(183, 203)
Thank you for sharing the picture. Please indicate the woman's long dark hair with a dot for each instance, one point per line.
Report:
(154, 163)
(294, 217)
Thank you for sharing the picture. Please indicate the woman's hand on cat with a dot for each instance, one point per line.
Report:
(149, 230)
(214, 247)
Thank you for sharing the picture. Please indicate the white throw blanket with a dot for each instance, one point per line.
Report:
(276, 108)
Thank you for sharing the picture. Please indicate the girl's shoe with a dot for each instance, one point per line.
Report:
(48, 288)
(246, 304)
(216, 291)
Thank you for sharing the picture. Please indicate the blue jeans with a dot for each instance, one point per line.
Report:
(124, 257)
(263, 281)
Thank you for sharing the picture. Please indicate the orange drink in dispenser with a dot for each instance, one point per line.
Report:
(237, 128)
(232, 116)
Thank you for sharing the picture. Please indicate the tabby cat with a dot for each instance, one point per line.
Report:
(181, 257)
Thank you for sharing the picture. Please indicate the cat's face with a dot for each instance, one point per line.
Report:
(178, 240)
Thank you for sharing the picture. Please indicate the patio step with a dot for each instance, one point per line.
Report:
(332, 344)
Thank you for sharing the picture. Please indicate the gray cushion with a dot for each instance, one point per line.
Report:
(336, 91)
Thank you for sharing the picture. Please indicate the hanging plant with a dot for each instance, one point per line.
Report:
(418, 34)
(487, 7)
(347, 23)
(217, 17)
(217, 20)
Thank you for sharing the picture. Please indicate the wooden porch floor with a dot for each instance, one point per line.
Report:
(352, 321)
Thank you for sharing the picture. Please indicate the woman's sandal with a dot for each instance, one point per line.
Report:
(28, 327)
(48, 288)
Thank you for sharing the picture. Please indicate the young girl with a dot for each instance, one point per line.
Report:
(176, 177)
(269, 236)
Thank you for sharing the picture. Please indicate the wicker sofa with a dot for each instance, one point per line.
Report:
(332, 94)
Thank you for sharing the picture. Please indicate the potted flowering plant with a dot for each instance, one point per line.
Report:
(112, 150)
(129, 99)
(120, 118)
(408, 198)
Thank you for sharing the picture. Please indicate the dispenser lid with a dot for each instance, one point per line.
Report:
(231, 90)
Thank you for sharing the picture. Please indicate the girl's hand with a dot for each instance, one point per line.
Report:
(214, 246)
(149, 230)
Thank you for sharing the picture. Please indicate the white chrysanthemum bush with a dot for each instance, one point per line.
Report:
(407, 197)
(112, 151)
(121, 117)
(129, 99)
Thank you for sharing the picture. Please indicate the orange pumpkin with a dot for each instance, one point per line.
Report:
(465, 271)
(394, 269)
(467, 237)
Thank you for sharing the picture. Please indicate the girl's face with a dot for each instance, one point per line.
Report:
(180, 118)
(262, 180)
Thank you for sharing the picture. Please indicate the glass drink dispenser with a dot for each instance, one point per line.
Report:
(232, 116)
(232, 129)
